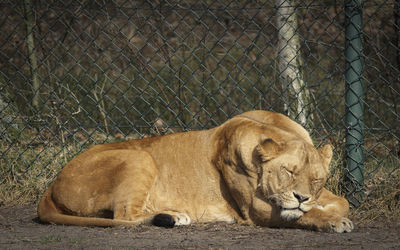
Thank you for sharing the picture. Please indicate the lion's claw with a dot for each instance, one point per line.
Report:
(344, 225)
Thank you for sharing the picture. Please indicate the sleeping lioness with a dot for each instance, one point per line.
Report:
(257, 168)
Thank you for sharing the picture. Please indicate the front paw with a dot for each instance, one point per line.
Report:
(342, 225)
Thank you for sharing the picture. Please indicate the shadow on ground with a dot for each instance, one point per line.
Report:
(19, 228)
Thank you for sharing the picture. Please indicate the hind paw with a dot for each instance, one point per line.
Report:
(181, 219)
(171, 219)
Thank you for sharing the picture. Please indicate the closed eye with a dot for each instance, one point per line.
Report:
(287, 170)
(317, 181)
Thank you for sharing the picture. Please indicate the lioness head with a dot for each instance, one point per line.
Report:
(292, 174)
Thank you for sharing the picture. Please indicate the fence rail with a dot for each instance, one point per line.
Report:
(75, 73)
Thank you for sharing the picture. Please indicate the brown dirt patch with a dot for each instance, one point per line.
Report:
(19, 229)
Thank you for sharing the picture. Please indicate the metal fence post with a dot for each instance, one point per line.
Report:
(354, 101)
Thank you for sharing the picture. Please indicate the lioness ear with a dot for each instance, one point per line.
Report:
(326, 153)
(267, 149)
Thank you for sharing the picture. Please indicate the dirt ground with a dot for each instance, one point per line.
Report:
(20, 229)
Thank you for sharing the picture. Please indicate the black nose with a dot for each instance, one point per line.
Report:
(301, 198)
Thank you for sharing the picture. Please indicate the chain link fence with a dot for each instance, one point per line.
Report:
(76, 73)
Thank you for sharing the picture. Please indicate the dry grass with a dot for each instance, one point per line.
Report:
(28, 173)
(382, 199)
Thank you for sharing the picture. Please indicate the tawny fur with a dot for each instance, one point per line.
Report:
(257, 168)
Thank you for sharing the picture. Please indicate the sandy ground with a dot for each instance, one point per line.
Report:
(20, 229)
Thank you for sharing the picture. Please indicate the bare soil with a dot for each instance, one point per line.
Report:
(20, 229)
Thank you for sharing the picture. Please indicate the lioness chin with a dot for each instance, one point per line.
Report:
(257, 168)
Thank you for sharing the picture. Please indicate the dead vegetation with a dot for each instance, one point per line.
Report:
(382, 199)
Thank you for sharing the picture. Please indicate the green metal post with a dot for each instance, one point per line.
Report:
(354, 101)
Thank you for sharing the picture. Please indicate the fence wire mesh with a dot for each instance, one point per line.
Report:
(76, 73)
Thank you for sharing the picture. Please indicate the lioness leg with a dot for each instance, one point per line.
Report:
(330, 214)
(131, 196)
